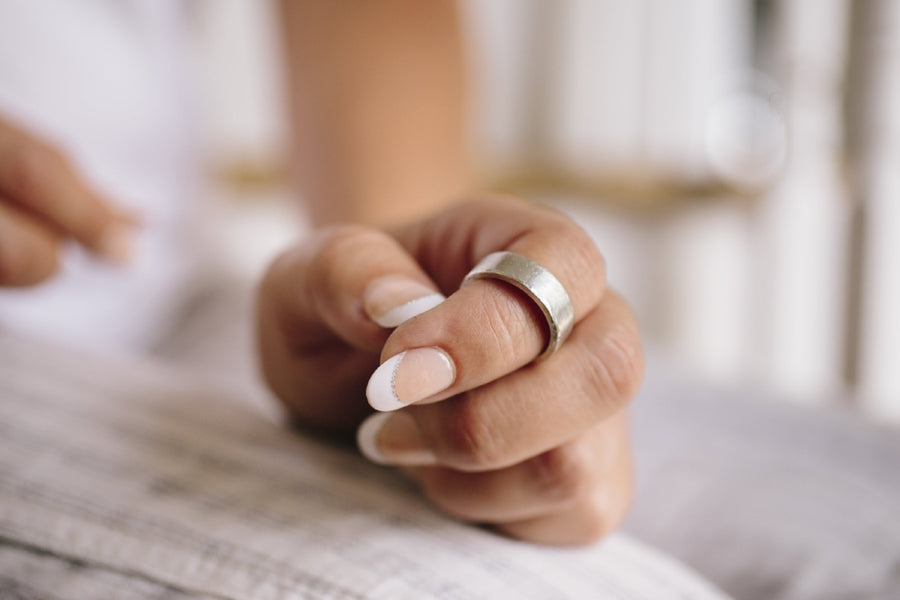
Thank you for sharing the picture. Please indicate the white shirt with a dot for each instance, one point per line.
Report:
(104, 80)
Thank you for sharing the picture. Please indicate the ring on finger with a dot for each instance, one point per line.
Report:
(539, 284)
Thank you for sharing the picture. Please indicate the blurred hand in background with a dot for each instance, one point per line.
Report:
(44, 203)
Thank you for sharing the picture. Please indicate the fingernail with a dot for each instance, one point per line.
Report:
(394, 299)
(409, 377)
(393, 439)
(116, 245)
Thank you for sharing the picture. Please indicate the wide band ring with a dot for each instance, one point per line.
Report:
(539, 284)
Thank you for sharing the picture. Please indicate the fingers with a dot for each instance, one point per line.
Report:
(591, 377)
(550, 482)
(39, 180)
(525, 413)
(340, 282)
(319, 309)
(572, 494)
(491, 436)
(451, 243)
(28, 249)
(590, 517)
(487, 328)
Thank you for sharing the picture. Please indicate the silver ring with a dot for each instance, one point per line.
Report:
(539, 284)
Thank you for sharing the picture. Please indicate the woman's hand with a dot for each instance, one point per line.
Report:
(538, 449)
(44, 202)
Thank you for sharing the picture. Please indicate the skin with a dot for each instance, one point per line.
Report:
(45, 203)
(540, 451)
(563, 475)
(377, 95)
(377, 91)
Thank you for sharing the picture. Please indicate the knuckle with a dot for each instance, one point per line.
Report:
(466, 439)
(562, 474)
(616, 366)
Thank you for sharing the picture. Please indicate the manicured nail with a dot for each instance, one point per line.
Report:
(394, 299)
(116, 244)
(409, 377)
(393, 439)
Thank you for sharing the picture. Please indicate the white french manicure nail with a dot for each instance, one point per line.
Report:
(407, 311)
(393, 439)
(409, 377)
(366, 437)
(394, 299)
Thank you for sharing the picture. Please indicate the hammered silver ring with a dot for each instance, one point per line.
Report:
(539, 284)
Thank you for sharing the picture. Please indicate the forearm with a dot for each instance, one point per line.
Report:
(377, 99)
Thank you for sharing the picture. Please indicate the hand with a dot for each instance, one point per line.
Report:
(43, 202)
(540, 450)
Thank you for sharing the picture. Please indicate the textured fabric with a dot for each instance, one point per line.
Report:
(31, 574)
(770, 501)
(142, 474)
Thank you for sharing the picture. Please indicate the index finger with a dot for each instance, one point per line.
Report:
(39, 179)
(449, 245)
(487, 328)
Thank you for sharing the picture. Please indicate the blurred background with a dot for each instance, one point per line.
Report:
(737, 162)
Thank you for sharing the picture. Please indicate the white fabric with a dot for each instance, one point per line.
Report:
(135, 471)
(103, 80)
(769, 501)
